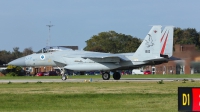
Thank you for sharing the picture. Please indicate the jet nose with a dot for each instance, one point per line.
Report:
(18, 62)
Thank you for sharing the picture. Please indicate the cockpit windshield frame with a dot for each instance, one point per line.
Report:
(52, 49)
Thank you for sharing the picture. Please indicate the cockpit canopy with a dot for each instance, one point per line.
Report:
(52, 49)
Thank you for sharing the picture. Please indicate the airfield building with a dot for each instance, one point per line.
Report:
(187, 61)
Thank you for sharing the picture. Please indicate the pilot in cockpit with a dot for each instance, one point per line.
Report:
(44, 50)
(50, 49)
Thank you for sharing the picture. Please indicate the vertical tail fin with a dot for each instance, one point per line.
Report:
(150, 47)
(166, 41)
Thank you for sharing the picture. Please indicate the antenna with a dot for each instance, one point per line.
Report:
(48, 40)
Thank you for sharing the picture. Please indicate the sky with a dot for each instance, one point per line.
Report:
(23, 23)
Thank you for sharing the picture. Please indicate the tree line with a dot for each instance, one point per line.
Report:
(120, 43)
(112, 42)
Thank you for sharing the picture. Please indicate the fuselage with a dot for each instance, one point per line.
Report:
(81, 60)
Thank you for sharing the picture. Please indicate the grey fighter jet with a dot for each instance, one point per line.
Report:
(156, 48)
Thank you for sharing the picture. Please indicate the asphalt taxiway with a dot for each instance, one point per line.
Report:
(96, 80)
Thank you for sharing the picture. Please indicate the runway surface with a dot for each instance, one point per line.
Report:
(96, 80)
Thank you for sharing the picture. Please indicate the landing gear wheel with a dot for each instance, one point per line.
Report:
(116, 76)
(106, 76)
(63, 77)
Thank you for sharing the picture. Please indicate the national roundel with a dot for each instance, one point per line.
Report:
(42, 57)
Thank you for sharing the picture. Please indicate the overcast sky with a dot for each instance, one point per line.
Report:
(23, 22)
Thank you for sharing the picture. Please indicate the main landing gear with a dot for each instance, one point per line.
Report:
(106, 75)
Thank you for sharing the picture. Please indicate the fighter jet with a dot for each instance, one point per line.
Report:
(156, 48)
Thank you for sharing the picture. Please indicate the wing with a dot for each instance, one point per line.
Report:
(59, 63)
(106, 58)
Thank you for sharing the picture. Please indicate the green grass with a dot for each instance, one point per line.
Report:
(88, 103)
(91, 96)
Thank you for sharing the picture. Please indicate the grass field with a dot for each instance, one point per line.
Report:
(91, 96)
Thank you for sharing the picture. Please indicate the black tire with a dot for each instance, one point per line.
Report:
(63, 77)
(116, 76)
(106, 76)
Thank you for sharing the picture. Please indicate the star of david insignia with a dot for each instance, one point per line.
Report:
(42, 57)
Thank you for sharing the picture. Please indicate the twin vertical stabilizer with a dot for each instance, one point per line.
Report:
(157, 43)
(167, 41)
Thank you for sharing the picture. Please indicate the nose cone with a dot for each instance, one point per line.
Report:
(18, 62)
